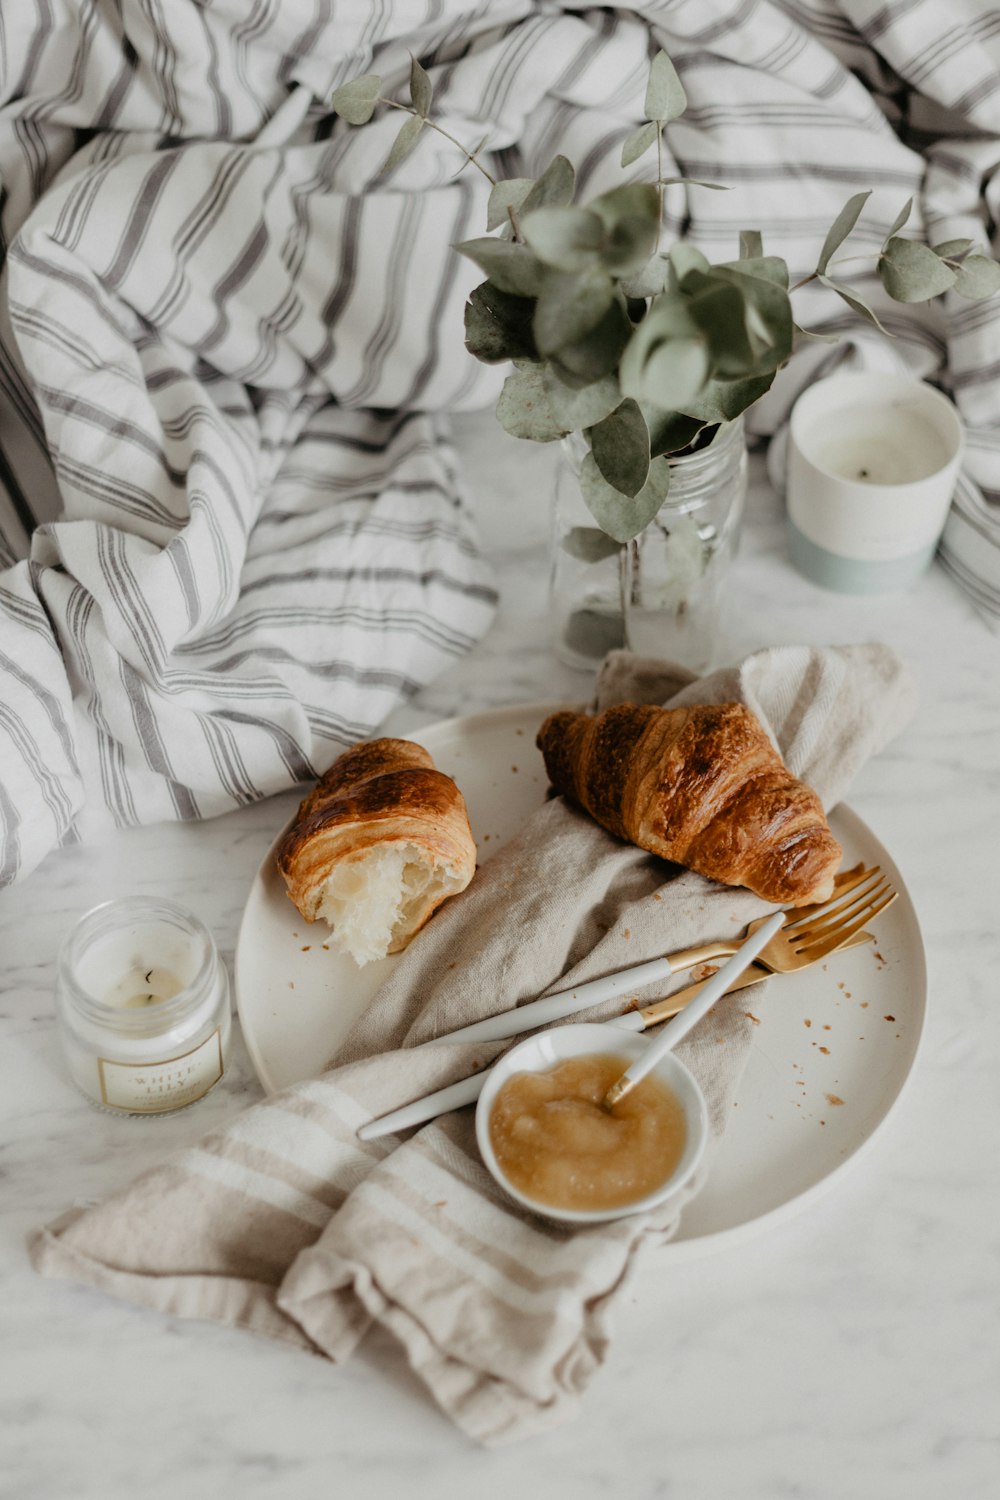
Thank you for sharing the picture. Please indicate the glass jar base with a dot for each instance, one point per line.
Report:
(140, 1114)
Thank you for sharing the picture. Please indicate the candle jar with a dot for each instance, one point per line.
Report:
(873, 459)
(142, 999)
(663, 593)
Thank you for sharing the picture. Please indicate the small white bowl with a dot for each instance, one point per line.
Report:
(539, 1053)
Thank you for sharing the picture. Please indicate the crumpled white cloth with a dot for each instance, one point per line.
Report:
(231, 536)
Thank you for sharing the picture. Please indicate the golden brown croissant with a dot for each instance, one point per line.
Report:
(377, 846)
(702, 786)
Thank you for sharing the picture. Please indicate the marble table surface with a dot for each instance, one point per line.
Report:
(852, 1350)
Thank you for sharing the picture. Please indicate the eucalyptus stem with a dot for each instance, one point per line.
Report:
(660, 185)
(469, 155)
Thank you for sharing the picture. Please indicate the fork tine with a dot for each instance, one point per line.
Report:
(837, 903)
(839, 936)
(829, 921)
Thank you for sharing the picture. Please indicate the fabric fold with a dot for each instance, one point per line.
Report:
(285, 1223)
(231, 535)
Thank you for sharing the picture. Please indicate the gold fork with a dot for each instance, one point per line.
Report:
(672, 1005)
(812, 932)
(657, 1011)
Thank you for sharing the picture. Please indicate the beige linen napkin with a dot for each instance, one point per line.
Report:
(285, 1223)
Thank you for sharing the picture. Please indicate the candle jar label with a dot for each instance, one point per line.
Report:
(152, 1088)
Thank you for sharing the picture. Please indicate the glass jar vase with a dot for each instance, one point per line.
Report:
(662, 594)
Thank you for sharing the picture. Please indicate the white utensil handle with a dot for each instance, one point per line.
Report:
(565, 1003)
(715, 988)
(466, 1091)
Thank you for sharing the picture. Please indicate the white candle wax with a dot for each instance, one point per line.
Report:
(892, 445)
(872, 463)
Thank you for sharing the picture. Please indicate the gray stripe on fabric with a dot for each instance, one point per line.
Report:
(138, 223)
(153, 747)
(10, 841)
(183, 335)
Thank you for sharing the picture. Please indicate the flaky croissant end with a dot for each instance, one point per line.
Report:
(700, 786)
(377, 846)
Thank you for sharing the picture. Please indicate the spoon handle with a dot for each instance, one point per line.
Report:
(714, 989)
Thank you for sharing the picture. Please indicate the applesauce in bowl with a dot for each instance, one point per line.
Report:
(545, 1136)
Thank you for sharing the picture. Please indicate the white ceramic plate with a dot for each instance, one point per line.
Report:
(833, 1049)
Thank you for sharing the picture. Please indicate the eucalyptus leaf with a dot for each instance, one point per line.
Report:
(509, 192)
(668, 326)
(565, 237)
(524, 410)
(716, 187)
(949, 249)
(404, 142)
(631, 200)
(577, 409)
(854, 301)
(899, 221)
(675, 372)
(421, 89)
(685, 258)
(665, 96)
(724, 400)
(810, 333)
(841, 228)
(762, 267)
(597, 354)
(911, 272)
(751, 244)
(498, 325)
(669, 431)
(589, 544)
(628, 244)
(977, 278)
(569, 305)
(511, 267)
(767, 310)
(719, 309)
(649, 280)
(554, 187)
(638, 142)
(623, 516)
(355, 101)
(620, 445)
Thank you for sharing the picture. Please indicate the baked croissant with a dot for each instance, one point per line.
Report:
(702, 786)
(377, 846)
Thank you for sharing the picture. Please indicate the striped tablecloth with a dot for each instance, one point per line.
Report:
(231, 533)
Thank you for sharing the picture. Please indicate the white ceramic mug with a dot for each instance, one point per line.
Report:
(872, 463)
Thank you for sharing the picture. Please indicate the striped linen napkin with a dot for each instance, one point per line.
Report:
(284, 1223)
(231, 536)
